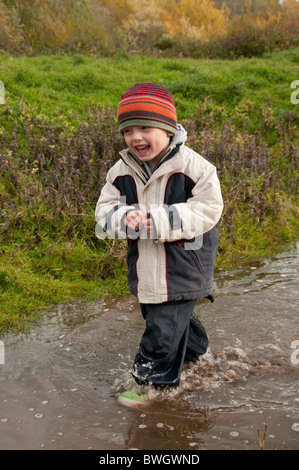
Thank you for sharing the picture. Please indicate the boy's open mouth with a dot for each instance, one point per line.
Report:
(142, 149)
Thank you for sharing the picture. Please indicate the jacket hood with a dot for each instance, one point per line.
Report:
(179, 137)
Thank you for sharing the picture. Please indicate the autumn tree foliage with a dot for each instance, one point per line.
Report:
(218, 28)
(207, 21)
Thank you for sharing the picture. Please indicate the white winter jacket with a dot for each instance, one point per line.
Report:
(183, 198)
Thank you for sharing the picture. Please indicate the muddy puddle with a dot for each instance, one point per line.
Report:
(58, 384)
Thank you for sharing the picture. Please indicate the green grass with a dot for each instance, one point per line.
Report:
(253, 242)
(35, 276)
(45, 84)
(40, 266)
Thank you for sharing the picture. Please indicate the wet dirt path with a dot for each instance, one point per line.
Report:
(58, 383)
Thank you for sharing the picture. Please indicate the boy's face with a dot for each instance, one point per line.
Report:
(147, 143)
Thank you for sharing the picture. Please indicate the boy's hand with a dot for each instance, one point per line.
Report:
(149, 226)
(135, 219)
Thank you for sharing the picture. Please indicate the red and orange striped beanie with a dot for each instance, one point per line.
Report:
(147, 104)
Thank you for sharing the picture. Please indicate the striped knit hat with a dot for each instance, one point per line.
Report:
(147, 104)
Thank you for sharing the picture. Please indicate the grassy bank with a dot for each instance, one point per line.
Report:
(45, 84)
(58, 137)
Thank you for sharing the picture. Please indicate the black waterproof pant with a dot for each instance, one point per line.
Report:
(173, 335)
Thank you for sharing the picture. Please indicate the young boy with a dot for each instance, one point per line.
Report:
(166, 200)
